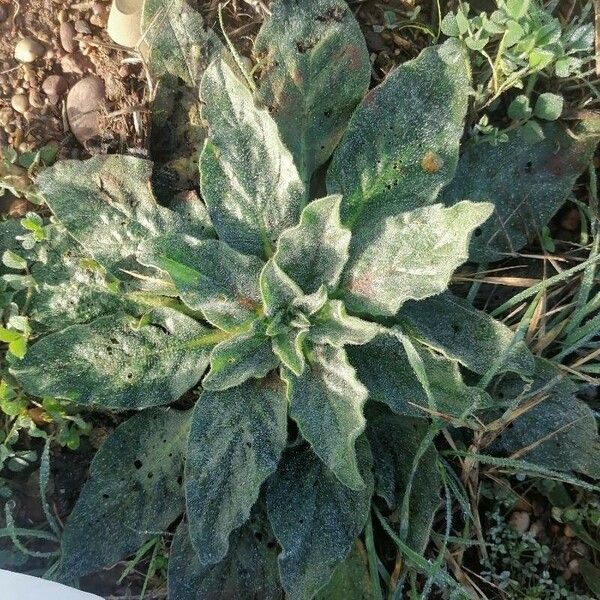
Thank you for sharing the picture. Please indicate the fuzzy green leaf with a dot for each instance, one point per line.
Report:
(401, 146)
(117, 362)
(408, 256)
(288, 348)
(549, 106)
(527, 183)
(209, 276)
(236, 440)
(239, 358)
(446, 322)
(326, 401)
(248, 571)
(395, 441)
(132, 492)
(314, 252)
(248, 178)
(179, 42)
(106, 204)
(315, 518)
(315, 70)
(277, 288)
(333, 325)
(384, 368)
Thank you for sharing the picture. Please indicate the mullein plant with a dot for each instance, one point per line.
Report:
(287, 341)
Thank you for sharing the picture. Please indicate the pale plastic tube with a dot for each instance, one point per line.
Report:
(16, 586)
(125, 22)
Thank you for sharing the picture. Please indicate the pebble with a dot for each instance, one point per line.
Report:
(82, 26)
(5, 116)
(55, 85)
(35, 99)
(3, 13)
(84, 102)
(27, 50)
(20, 103)
(520, 520)
(574, 566)
(75, 63)
(67, 35)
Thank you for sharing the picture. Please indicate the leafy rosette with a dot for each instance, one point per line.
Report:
(314, 330)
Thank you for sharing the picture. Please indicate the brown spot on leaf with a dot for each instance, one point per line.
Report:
(432, 162)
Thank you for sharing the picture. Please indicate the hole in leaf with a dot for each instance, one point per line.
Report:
(138, 464)
(477, 232)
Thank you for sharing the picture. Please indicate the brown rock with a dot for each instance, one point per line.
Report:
(55, 85)
(520, 520)
(67, 37)
(35, 99)
(82, 26)
(75, 63)
(85, 101)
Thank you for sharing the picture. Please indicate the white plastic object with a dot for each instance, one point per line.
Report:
(16, 586)
(125, 22)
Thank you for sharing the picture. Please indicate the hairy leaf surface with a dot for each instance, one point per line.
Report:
(316, 70)
(401, 146)
(408, 256)
(315, 517)
(236, 440)
(117, 362)
(248, 178)
(248, 571)
(209, 276)
(326, 401)
(314, 252)
(527, 183)
(278, 290)
(454, 327)
(132, 492)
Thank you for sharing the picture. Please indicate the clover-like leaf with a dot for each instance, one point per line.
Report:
(248, 178)
(315, 518)
(248, 571)
(236, 439)
(527, 183)
(315, 70)
(326, 401)
(119, 362)
(241, 357)
(107, 205)
(383, 366)
(395, 441)
(401, 146)
(133, 492)
(446, 321)
(333, 325)
(408, 256)
(209, 276)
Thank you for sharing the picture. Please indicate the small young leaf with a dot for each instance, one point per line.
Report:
(236, 440)
(314, 252)
(549, 106)
(12, 260)
(315, 70)
(239, 358)
(519, 109)
(132, 492)
(408, 256)
(423, 102)
(109, 363)
(532, 133)
(277, 289)
(449, 25)
(315, 518)
(288, 348)
(326, 401)
(209, 276)
(248, 178)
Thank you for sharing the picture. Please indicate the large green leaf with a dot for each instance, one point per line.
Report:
(408, 256)
(209, 276)
(248, 178)
(245, 355)
(119, 362)
(315, 71)
(527, 183)
(314, 252)
(395, 441)
(326, 401)
(248, 571)
(384, 368)
(315, 518)
(107, 205)
(558, 433)
(452, 326)
(133, 491)
(235, 443)
(179, 42)
(401, 146)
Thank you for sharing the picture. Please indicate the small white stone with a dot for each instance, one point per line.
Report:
(27, 50)
(20, 103)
